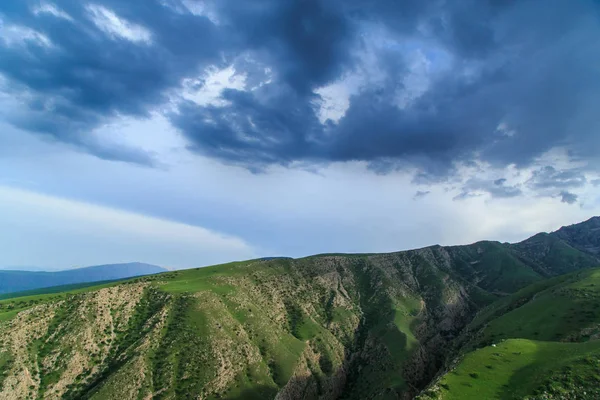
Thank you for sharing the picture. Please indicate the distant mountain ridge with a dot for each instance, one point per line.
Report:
(30, 268)
(16, 281)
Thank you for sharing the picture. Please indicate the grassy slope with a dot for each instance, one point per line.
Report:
(12, 303)
(248, 329)
(313, 329)
(253, 328)
(280, 350)
(559, 312)
(541, 340)
(493, 267)
(222, 334)
(551, 256)
(516, 368)
(55, 289)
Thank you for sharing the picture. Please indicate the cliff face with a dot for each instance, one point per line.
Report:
(328, 327)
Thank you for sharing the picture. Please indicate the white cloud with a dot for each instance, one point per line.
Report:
(424, 61)
(18, 35)
(335, 101)
(207, 89)
(200, 8)
(520, 178)
(117, 27)
(43, 230)
(335, 97)
(504, 129)
(51, 9)
(153, 135)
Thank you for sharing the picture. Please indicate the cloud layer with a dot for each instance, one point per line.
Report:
(427, 87)
(440, 83)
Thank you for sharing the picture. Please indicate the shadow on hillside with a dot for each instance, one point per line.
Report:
(379, 354)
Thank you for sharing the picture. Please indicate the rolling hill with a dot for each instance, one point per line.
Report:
(540, 343)
(333, 326)
(16, 281)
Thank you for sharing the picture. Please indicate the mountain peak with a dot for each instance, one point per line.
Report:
(592, 222)
(584, 236)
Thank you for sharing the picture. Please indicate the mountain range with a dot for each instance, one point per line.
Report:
(16, 281)
(481, 321)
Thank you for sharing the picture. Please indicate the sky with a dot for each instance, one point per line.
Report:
(186, 133)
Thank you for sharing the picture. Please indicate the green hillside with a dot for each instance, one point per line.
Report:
(521, 368)
(35, 293)
(250, 328)
(549, 255)
(494, 267)
(13, 303)
(569, 310)
(541, 342)
(331, 326)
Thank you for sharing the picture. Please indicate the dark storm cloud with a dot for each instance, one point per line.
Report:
(305, 42)
(568, 197)
(531, 85)
(510, 80)
(250, 132)
(87, 75)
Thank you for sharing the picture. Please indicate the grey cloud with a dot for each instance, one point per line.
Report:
(549, 177)
(568, 197)
(495, 64)
(465, 195)
(532, 74)
(496, 188)
(420, 194)
(278, 129)
(88, 76)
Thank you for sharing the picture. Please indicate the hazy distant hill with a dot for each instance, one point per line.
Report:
(16, 281)
(30, 268)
